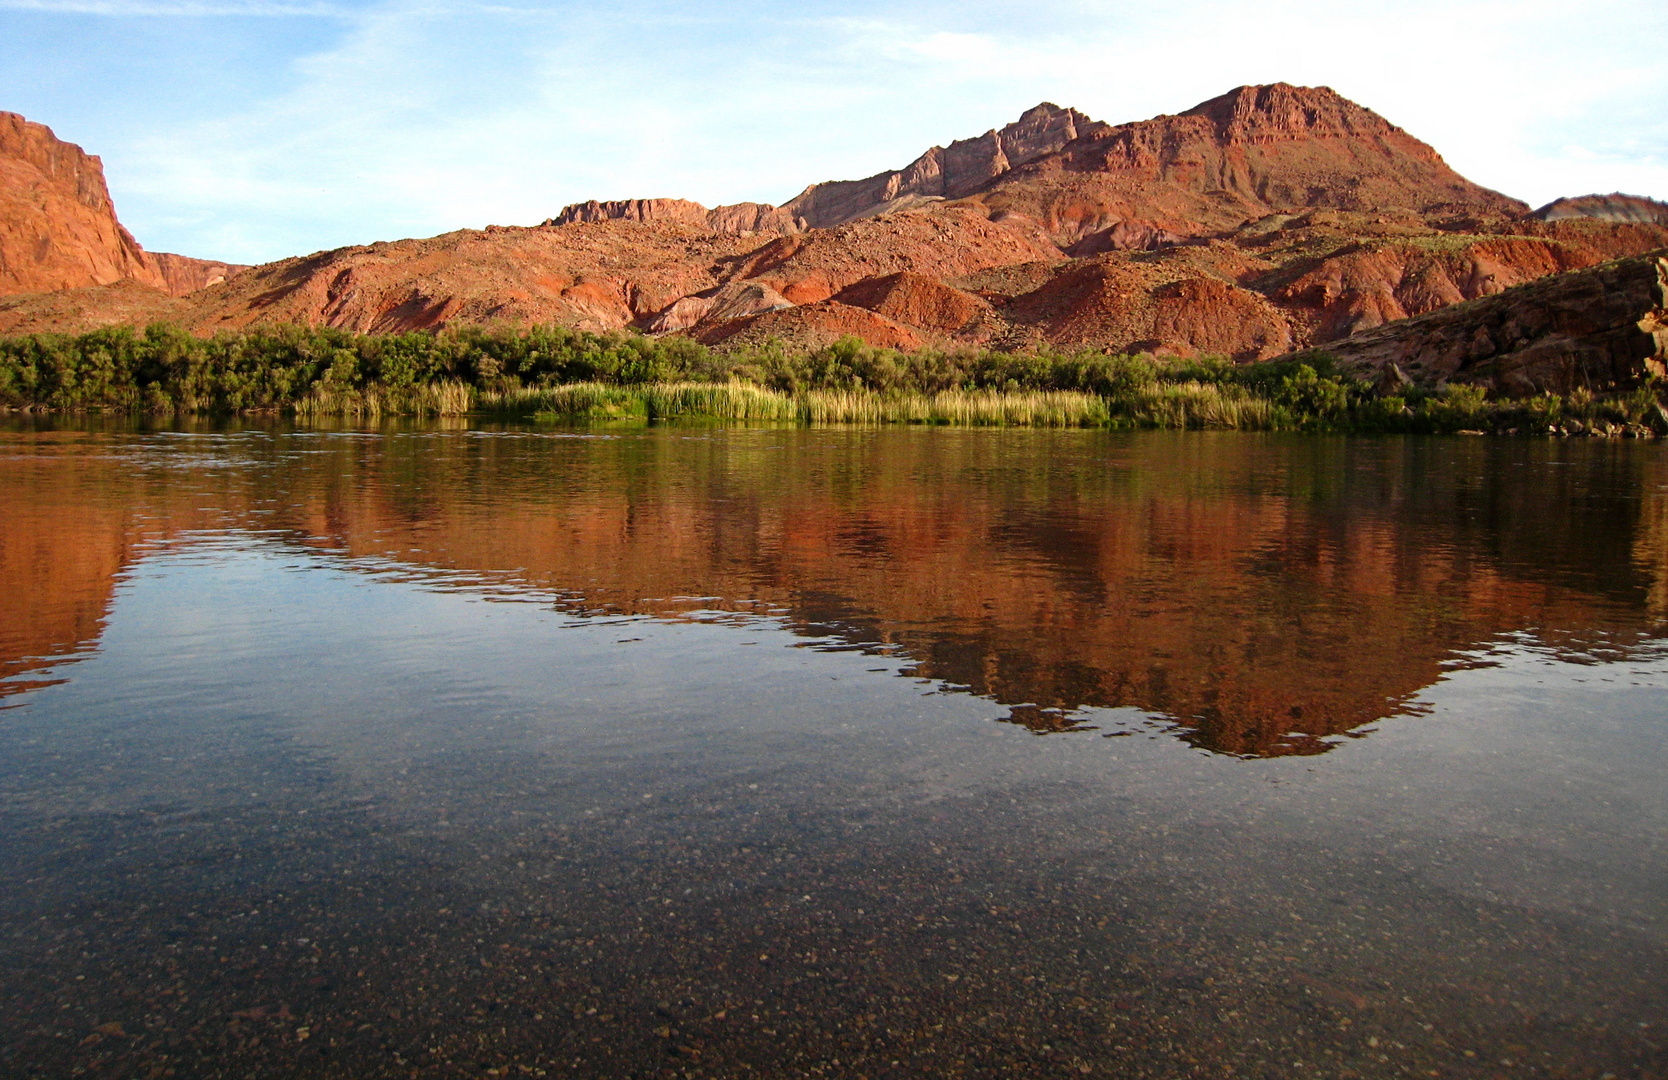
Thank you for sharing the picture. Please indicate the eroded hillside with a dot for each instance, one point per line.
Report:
(1267, 219)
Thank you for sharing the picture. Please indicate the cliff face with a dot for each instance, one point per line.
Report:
(740, 218)
(690, 213)
(58, 227)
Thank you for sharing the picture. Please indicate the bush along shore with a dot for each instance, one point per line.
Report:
(562, 374)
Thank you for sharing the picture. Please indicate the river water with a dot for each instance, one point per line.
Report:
(732, 751)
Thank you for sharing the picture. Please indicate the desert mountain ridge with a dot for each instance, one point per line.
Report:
(1234, 158)
(1267, 219)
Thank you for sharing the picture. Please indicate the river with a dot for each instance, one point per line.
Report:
(699, 750)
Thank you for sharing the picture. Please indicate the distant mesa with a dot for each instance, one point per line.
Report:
(742, 219)
(1268, 219)
(1612, 207)
(942, 172)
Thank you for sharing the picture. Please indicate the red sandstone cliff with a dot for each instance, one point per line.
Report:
(58, 228)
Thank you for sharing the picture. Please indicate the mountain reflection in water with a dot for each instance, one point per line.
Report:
(1263, 595)
(1260, 595)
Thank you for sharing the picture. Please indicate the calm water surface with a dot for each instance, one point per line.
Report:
(729, 752)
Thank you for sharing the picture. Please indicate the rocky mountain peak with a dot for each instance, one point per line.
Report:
(1284, 111)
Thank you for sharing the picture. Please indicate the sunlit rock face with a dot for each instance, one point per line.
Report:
(58, 227)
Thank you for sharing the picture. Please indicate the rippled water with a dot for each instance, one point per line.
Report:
(726, 751)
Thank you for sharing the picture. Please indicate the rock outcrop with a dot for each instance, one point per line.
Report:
(1603, 328)
(182, 274)
(743, 219)
(736, 300)
(58, 227)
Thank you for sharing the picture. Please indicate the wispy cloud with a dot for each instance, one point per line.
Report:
(404, 117)
(177, 8)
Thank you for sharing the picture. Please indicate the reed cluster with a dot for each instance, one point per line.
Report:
(1194, 404)
(449, 398)
(653, 401)
(961, 408)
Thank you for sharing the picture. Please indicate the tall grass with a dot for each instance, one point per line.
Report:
(725, 401)
(1194, 404)
(962, 408)
(654, 401)
(449, 398)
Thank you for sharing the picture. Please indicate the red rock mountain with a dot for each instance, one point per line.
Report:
(1270, 218)
(58, 229)
(1251, 152)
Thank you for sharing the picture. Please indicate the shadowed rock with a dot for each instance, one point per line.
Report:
(1603, 328)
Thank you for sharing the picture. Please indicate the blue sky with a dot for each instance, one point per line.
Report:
(253, 129)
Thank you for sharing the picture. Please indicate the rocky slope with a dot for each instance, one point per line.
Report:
(1268, 219)
(58, 228)
(1599, 328)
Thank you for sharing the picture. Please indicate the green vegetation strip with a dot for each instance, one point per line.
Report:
(562, 374)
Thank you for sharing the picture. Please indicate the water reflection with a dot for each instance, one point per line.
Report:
(1263, 595)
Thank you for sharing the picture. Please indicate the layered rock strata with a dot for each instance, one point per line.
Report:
(1612, 207)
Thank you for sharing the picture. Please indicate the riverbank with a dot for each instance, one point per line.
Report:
(566, 375)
